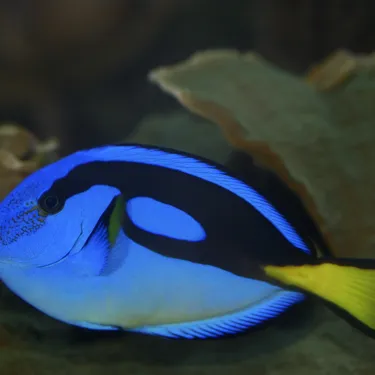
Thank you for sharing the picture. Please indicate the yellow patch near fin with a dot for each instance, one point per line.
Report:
(116, 220)
(348, 287)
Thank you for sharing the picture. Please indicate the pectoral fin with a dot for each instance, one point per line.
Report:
(106, 247)
(116, 219)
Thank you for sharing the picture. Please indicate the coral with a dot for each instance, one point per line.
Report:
(21, 153)
(316, 132)
(185, 132)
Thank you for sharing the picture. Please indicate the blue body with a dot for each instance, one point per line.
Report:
(53, 263)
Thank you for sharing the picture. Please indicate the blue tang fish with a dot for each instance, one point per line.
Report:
(157, 241)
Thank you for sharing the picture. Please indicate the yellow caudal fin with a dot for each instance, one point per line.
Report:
(348, 284)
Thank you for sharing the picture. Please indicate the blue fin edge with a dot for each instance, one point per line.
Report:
(230, 324)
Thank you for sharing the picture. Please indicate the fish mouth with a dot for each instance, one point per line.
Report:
(73, 250)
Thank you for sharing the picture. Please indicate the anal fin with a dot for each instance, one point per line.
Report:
(230, 324)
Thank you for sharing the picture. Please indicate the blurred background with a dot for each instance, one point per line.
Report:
(77, 69)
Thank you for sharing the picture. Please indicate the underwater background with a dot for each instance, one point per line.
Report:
(76, 74)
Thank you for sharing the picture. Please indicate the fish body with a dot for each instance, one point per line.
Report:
(151, 240)
(173, 293)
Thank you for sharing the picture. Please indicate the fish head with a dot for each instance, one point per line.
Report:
(44, 219)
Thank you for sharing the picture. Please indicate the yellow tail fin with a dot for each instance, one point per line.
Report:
(350, 285)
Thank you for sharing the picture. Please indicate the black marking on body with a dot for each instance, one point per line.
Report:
(281, 197)
(238, 236)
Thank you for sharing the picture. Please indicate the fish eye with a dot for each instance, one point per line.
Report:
(50, 204)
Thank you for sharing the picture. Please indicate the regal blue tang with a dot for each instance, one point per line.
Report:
(160, 242)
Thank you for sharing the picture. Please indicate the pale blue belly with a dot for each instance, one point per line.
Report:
(149, 289)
